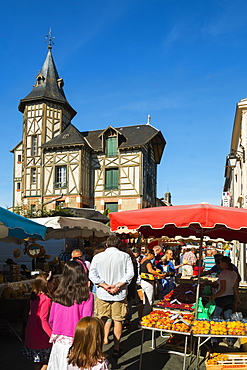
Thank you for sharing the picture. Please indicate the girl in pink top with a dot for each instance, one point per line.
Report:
(38, 330)
(71, 301)
(86, 350)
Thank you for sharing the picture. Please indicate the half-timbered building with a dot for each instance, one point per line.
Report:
(55, 163)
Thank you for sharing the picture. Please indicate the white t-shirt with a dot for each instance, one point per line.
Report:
(230, 277)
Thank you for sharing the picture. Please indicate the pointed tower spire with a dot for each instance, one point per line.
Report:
(48, 85)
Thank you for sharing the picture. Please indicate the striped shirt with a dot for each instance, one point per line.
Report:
(208, 262)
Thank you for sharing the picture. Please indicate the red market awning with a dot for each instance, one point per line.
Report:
(198, 220)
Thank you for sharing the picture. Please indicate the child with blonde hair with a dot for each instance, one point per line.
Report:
(86, 350)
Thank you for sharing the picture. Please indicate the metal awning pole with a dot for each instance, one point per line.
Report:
(199, 275)
(242, 264)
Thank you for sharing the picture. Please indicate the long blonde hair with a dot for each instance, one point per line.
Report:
(86, 350)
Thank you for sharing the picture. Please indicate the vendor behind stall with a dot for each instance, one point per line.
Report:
(227, 293)
(208, 260)
(216, 269)
(228, 289)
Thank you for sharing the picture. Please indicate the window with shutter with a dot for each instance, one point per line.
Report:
(111, 146)
(113, 207)
(111, 178)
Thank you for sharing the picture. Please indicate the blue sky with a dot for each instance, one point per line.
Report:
(184, 63)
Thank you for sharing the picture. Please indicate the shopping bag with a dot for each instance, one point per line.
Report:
(210, 307)
(207, 290)
(202, 312)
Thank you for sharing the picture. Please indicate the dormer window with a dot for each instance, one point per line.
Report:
(40, 80)
(111, 145)
(111, 140)
(60, 83)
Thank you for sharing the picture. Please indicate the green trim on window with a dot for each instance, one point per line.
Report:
(111, 146)
(113, 207)
(111, 178)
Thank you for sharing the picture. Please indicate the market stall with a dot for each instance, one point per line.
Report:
(167, 323)
(193, 220)
(15, 302)
(170, 323)
(14, 228)
(205, 330)
(197, 220)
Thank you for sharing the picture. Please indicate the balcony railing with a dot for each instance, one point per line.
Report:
(62, 184)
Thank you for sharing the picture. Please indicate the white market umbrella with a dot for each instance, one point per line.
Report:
(72, 227)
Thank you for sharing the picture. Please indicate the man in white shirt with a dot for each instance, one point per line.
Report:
(111, 271)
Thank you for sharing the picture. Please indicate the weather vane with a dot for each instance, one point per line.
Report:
(49, 38)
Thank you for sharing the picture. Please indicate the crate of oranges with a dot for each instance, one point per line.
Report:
(166, 320)
(236, 328)
(227, 361)
(201, 327)
(218, 327)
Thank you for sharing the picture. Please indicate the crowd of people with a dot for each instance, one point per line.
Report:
(69, 323)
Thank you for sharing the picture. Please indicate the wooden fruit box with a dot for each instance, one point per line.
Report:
(175, 343)
(236, 361)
